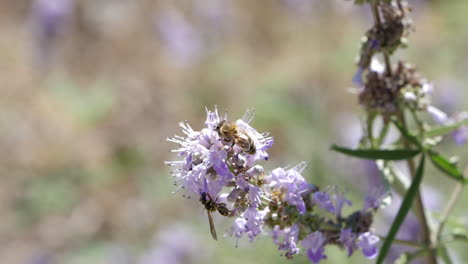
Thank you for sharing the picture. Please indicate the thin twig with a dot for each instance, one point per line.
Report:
(448, 210)
(405, 242)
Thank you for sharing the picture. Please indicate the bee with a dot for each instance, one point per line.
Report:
(229, 131)
(211, 206)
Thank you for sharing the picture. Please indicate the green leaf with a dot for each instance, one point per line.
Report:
(460, 237)
(376, 154)
(408, 135)
(443, 253)
(446, 166)
(457, 227)
(443, 130)
(403, 211)
(402, 259)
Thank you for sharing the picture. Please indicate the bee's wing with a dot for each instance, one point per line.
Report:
(248, 115)
(212, 226)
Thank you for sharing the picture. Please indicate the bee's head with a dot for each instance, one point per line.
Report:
(218, 127)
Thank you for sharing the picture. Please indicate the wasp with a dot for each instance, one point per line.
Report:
(229, 131)
(211, 206)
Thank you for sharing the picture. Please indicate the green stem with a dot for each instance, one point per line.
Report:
(417, 254)
(370, 125)
(452, 239)
(419, 124)
(398, 184)
(419, 205)
(383, 133)
(405, 242)
(448, 210)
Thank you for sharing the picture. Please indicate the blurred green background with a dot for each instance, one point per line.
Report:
(90, 89)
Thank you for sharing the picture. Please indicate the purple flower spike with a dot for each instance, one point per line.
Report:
(366, 243)
(314, 243)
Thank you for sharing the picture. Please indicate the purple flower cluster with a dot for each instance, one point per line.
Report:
(297, 213)
(210, 163)
(459, 135)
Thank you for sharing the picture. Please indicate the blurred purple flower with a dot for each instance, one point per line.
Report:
(348, 239)
(448, 96)
(374, 177)
(340, 202)
(175, 245)
(214, 17)
(255, 195)
(250, 223)
(180, 39)
(314, 243)
(42, 257)
(374, 198)
(48, 18)
(438, 115)
(289, 238)
(290, 184)
(254, 223)
(238, 228)
(366, 243)
(324, 201)
(333, 203)
(357, 78)
(460, 135)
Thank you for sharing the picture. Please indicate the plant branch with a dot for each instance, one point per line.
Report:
(419, 205)
(420, 212)
(378, 23)
(405, 242)
(448, 210)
